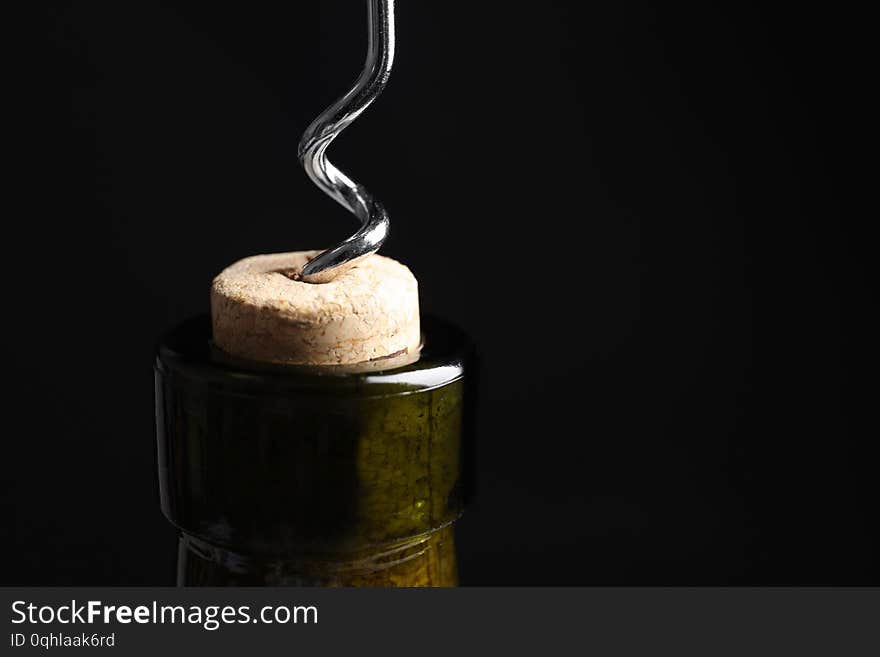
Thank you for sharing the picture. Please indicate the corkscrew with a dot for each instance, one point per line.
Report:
(323, 130)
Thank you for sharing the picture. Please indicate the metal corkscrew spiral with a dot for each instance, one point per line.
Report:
(318, 136)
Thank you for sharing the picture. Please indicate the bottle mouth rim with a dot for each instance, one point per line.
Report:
(188, 351)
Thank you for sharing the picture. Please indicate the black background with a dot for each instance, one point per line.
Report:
(645, 216)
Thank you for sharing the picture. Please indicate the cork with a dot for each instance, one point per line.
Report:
(367, 314)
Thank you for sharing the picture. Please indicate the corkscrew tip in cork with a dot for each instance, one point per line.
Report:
(372, 215)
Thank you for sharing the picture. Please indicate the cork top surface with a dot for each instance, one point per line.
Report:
(260, 311)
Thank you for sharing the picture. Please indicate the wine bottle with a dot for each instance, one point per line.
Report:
(314, 476)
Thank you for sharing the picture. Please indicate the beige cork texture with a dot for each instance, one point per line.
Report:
(368, 313)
